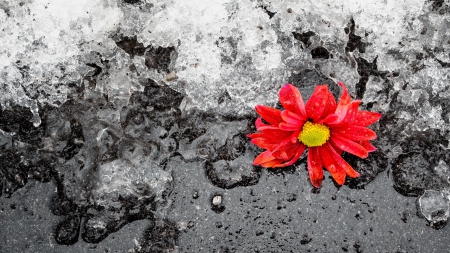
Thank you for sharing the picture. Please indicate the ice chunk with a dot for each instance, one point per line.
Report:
(434, 205)
(443, 170)
(141, 179)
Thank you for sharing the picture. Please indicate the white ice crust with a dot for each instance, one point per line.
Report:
(45, 45)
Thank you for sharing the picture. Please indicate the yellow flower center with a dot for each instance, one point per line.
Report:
(314, 135)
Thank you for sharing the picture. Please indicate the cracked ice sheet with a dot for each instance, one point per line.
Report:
(40, 45)
(261, 63)
(225, 48)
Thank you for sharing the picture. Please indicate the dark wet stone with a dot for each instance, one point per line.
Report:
(67, 232)
(115, 212)
(17, 120)
(156, 106)
(60, 205)
(42, 170)
(413, 174)
(76, 140)
(161, 237)
(229, 174)
(413, 171)
(95, 230)
(13, 170)
(231, 167)
(200, 160)
(369, 168)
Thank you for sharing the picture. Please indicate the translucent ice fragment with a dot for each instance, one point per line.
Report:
(434, 205)
(443, 170)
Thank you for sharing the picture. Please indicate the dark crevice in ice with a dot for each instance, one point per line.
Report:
(132, 1)
(320, 52)
(158, 58)
(269, 13)
(440, 6)
(354, 41)
(365, 70)
(304, 37)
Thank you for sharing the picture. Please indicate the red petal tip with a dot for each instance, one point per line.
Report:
(317, 183)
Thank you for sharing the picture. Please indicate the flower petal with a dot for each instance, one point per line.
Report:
(355, 133)
(329, 119)
(286, 150)
(331, 105)
(315, 170)
(292, 123)
(341, 108)
(345, 97)
(366, 118)
(259, 123)
(264, 157)
(368, 146)
(269, 114)
(328, 160)
(294, 135)
(270, 138)
(262, 143)
(292, 100)
(288, 127)
(337, 149)
(351, 113)
(346, 114)
(320, 103)
(343, 164)
(349, 146)
(297, 155)
(271, 164)
(292, 118)
(276, 134)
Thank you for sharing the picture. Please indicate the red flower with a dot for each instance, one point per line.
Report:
(322, 126)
